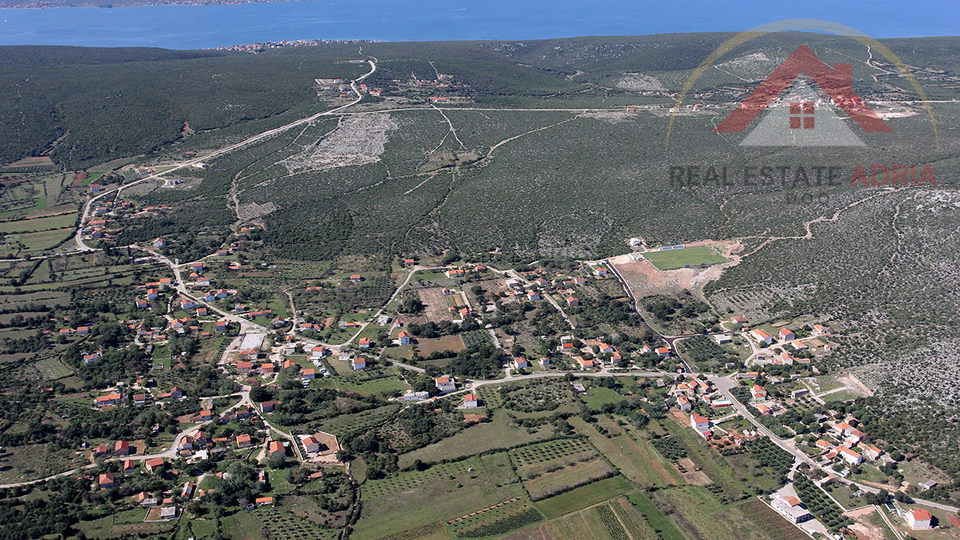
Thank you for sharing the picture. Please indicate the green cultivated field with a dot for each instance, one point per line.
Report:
(441, 493)
(499, 433)
(583, 497)
(38, 224)
(680, 258)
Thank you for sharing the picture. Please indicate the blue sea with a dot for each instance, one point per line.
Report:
(192, 27)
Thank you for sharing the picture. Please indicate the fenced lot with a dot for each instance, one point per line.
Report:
(681, 258)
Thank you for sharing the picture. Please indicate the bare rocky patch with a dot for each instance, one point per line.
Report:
(358, 140)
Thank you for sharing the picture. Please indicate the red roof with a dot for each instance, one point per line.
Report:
(919, 514)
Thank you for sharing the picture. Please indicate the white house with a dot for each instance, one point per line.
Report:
(761, 336)
(445, 384)
(919, 519)
(701, 424)
(848, 455)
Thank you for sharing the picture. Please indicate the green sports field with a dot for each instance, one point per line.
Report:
(679, 258)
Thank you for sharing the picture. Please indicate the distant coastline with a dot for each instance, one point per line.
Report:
(205, 24)
(48, 4)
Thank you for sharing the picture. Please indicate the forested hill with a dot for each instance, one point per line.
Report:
(111, 103)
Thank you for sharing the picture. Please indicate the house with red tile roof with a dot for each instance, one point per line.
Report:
(584, 363)
(311, 444)
(109, 399)
(122, 448)
(105, 481)
(243, 441)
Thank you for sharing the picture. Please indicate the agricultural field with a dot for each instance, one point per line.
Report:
(566, 478)
(770, 521)
(819, 503)
(694, 509)
(633, 457)
(596, 397)
(386, 385)
(669, 448)
(536, 459)
(440, 493)
(347, 425)
(584, 496)
(498, 519)
(475, 338)
(38, 224)
(612, 520)
(685, 257)
(426, 347)
(286, 526)
(536, 395)
(498, 433)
